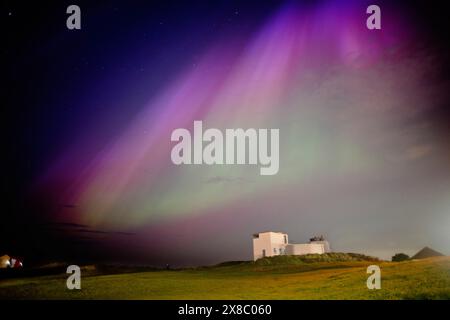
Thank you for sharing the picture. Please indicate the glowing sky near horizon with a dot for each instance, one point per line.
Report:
(347, 101)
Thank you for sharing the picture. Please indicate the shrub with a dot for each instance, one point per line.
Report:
(400, 257)
(308, 258)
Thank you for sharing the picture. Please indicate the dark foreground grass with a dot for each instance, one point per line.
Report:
(274, 278)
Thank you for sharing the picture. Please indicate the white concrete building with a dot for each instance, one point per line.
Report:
(269, 244)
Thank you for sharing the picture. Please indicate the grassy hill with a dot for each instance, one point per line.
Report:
(329, 276)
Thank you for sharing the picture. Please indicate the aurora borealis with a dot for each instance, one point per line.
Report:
(362, 114)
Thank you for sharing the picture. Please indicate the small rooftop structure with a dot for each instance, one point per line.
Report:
(317, 238)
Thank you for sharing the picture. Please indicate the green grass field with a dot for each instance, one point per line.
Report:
(335, 277)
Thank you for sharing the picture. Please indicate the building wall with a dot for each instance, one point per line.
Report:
(305, 248)
(269, 243)
(325, 244)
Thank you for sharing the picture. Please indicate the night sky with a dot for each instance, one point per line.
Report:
(86, 120)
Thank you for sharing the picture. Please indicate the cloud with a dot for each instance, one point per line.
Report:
(67, 224)
(71, 206)
(222, 179)
(81, 228)
(411, 153)
(416, 152)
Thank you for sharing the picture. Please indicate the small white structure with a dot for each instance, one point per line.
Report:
(5, 261)
(269, 244)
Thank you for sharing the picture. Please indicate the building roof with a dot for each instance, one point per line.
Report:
(255, 235)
